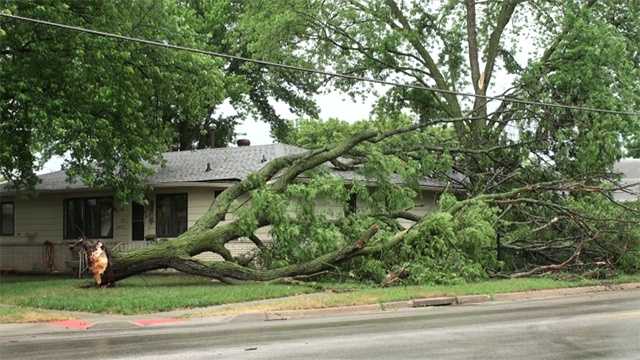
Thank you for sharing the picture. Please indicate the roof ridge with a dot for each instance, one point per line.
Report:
(233, 148)
(52, 172)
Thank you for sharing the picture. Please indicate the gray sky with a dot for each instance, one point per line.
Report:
(331, 105)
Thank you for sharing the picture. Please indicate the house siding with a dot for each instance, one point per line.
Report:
(39, 220)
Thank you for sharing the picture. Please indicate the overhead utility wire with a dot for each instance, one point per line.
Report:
(314, 71)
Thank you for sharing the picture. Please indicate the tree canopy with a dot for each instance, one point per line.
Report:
(111, 107)
(582, 53)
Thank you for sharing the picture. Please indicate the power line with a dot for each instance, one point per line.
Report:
(314, 71)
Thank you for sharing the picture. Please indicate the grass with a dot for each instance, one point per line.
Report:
(136, 295)
(15, 314)
(155, 293)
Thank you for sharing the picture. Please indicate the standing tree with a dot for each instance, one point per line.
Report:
(105, 104)
(250, 30)
(582, 53)
(111, 106)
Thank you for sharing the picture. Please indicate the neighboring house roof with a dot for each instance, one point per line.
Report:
(428, 183)
(226, 164)
(630, 171)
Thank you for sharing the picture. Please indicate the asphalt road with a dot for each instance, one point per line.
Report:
(598, 326)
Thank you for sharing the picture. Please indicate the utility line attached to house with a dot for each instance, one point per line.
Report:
(167, 45)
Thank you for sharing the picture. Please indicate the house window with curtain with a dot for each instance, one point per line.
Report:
(7, 218)
(90, 217)
(171, 214)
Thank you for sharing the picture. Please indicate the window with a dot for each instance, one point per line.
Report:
(171, 214)
(352, 204)
(137, 221)
(7, 218)
(91, 217)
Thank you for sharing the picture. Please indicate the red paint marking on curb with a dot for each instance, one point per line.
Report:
(72, 324)
(152, 322)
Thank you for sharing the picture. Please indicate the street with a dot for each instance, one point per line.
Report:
(593, 326)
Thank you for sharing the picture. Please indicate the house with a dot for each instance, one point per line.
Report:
(629, 169)
(37, 229)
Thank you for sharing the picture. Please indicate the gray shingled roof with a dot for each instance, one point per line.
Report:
(227, 164)
(232, 164)
(630, 171)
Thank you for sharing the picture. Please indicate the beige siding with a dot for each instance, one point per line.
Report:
(199, 202)
(36, 221)
(40, 219)
(329, 208)
(426, 202)
(122, 223)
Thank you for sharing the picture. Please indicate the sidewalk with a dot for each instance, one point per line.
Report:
(262, 311)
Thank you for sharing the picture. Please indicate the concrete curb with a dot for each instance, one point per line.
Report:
(433, 301)
(472, 299)
(546, 293)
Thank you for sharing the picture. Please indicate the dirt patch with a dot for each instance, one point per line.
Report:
(17, 315)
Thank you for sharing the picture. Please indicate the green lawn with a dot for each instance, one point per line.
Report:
(154, 293)
(136, 295)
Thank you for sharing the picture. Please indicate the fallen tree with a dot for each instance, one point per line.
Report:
(275, 180)
(210, 233)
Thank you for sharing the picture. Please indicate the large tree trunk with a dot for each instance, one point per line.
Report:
(229, 271)
(210, 233)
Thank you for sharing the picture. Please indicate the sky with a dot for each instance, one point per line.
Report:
(331, 105)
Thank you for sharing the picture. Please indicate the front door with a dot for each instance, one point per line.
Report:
(137, 221)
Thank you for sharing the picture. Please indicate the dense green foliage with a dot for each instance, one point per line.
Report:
(483, 239)
(582, 53)
(102, 102)
(449, 248)
(111, 107)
